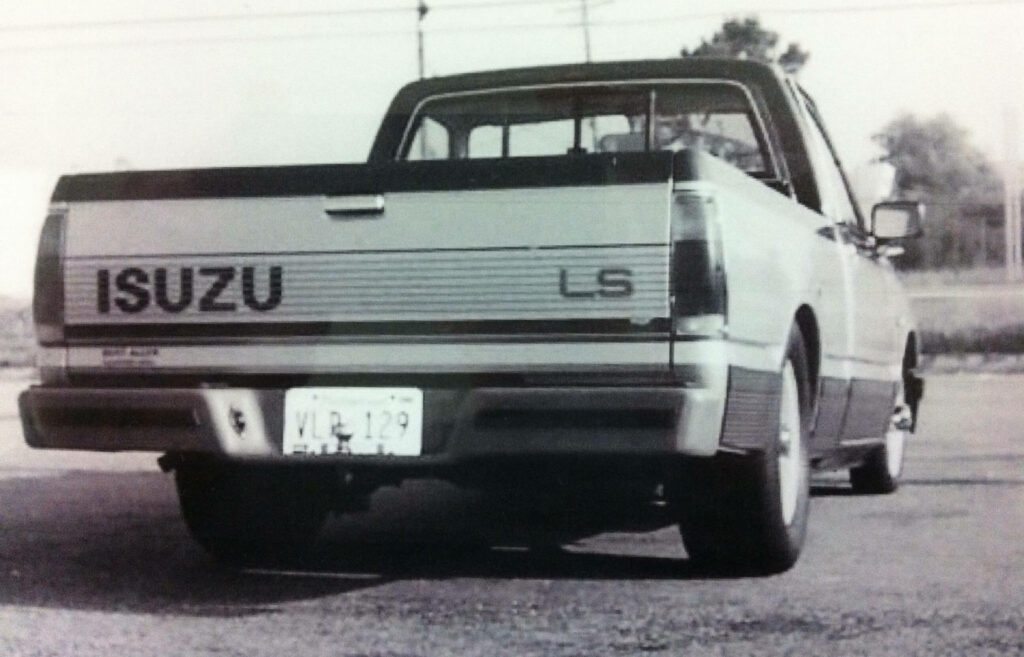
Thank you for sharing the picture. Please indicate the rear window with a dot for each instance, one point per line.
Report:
(716, 118)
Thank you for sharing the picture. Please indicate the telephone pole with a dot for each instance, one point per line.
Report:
(585, 23)
(1012, 197)
(421, 12)
(585, 7)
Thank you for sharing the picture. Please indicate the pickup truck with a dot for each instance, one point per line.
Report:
(629, 286)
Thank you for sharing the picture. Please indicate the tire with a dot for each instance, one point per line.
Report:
(747, 514)
(881, 470)
(245, 515)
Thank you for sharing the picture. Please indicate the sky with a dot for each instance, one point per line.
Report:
(115, 84)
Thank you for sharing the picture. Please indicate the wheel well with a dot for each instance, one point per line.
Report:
(808, 325)
(910, 353)
(913, 385)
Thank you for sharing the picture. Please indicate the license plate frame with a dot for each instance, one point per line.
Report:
(328, 421)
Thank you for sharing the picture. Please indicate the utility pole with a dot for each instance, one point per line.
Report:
(585, 23)
(1012, 197)
(421, 11)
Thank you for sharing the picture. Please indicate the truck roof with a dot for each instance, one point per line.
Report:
(680, 67)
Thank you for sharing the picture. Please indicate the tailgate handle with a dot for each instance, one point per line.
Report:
(342, 207)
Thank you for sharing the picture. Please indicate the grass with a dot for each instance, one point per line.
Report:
(985, 310)
(988, 322)
(934, 278)
(1007, 340)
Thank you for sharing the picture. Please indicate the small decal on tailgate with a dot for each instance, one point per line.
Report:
(130, 356)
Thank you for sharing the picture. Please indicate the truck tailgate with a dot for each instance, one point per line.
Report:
(568, 259)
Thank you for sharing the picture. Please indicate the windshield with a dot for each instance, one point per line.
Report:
(576, 120)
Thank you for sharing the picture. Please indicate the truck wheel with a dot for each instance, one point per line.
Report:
(244, 514)
(881, 470)
(748, 514)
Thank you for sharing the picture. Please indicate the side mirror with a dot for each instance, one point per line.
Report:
(896, 220)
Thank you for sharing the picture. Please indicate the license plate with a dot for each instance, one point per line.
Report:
(377, 421)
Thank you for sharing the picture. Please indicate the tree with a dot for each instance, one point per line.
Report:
(935, 163)
(747, 39)
(934, 157)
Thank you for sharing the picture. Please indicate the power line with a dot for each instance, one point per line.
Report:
(331, 34)
(209, 18)
(491, 4)
(215, 40)
(290, 15)
(928, 4)
(505, 27)
(847, 9)
(298, 36)
(480, 4)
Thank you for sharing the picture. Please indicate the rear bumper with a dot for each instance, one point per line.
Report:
(457, 424)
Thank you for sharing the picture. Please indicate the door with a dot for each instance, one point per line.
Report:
(872, 311)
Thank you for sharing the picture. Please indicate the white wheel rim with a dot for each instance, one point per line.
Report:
(896, 436)
(790, 445)
(894, 452)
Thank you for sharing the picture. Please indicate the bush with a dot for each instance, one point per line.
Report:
(1005, 340)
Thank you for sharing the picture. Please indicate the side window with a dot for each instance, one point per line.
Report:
(836, 201)
(540, 138)
(714, 118)
(610, 133)
(485, 141)
(431, 141)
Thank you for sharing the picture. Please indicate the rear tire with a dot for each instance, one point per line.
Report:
(245, 515)
(748, 514)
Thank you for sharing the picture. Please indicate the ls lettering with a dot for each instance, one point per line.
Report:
(607, 284)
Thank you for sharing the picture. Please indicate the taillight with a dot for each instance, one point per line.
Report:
(48, 298)
(698, 274)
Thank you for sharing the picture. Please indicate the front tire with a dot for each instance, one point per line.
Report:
(748, 514)
(881, 470)
(244, 514)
